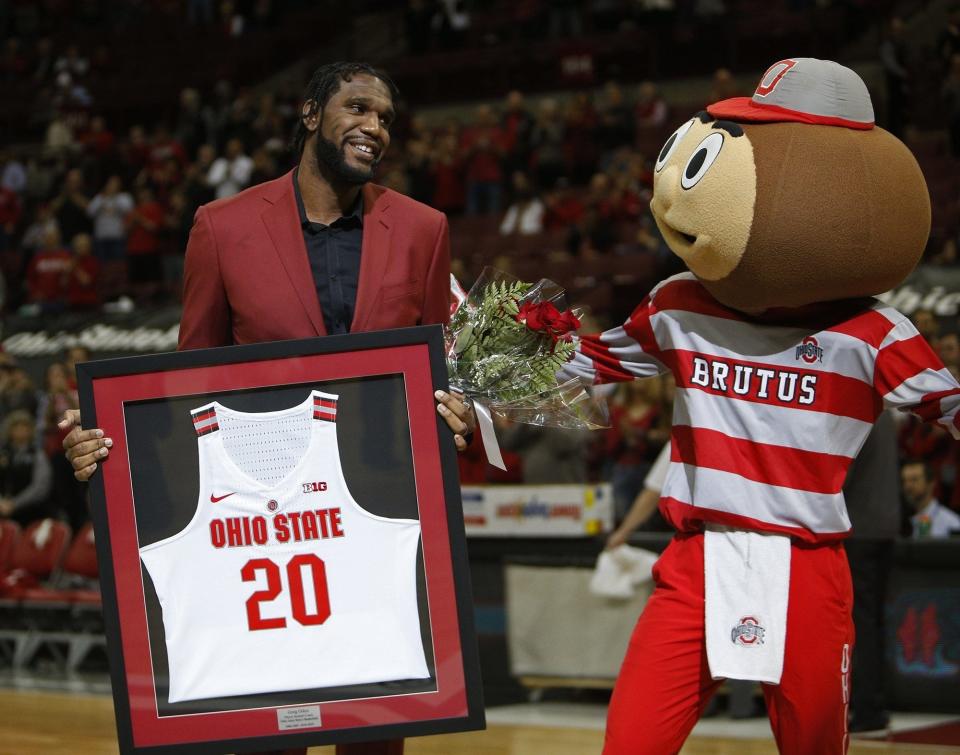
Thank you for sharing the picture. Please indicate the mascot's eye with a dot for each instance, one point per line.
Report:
(671, 144)
(701, 160)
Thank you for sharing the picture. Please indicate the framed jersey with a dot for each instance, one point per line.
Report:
(281, 545)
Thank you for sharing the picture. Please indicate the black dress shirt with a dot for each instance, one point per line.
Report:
(334, 254)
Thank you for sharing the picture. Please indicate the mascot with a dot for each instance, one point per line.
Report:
(791, 210)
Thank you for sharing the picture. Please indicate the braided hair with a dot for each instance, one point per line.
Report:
(325, 83)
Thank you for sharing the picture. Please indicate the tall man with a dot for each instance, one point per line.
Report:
(317, 251)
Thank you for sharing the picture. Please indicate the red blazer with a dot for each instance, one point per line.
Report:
(247, 277)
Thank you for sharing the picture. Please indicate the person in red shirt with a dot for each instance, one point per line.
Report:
(630, 204)
(651, 110)
(163, 147)
(98, 140)
(135, 153)
(580, 146)
(517, 125)
(449, 189)
(600, 197)
(564, 208)
(483, 151)
(47, 273)
(82, 278)
(144, 226)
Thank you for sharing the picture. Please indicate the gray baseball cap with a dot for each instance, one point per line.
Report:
(803, 90)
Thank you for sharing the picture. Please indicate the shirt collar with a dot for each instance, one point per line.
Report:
(355, 215)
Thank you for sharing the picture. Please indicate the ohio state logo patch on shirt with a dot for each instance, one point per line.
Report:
(809, 351)
(748, 633)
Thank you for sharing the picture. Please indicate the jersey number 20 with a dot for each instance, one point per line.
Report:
(298, 603)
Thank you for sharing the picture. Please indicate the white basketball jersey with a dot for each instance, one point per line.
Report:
(281, 581)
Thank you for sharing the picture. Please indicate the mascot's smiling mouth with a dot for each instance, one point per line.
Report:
(674, 235)
(696, 251)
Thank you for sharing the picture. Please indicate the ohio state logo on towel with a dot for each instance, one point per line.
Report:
(748, 632)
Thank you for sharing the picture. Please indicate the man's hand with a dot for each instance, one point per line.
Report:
(84, 447)
(6, 506)
(459, 416)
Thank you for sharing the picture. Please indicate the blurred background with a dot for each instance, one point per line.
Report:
(534, 126)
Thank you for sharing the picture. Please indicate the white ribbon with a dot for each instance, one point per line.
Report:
(490, 444)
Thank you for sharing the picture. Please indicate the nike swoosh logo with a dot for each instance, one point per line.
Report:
(217, 499)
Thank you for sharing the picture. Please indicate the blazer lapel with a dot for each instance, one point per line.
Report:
(282, 220)
(374, 254)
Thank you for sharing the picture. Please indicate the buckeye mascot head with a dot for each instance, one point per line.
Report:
(792, 196)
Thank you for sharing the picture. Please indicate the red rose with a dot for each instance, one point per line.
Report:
(544, 317)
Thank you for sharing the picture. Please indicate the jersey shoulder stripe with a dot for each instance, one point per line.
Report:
(324, 408)
(205, 420)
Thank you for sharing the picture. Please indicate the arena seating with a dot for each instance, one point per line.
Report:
(51, 599)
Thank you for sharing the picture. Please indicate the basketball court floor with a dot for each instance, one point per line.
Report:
(40, 722)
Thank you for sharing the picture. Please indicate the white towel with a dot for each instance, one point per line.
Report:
(42, 534)
(746, 587)
(620, 570)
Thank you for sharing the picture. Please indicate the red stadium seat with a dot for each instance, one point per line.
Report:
(79, 564)
(36, 556)
(9, 536)
(81, 559)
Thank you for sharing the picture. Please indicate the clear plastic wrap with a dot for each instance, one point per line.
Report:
(505, 344)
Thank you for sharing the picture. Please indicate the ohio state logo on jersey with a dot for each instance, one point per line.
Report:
(753, 381)
(748, 633)
(809, 351)
(314, 487)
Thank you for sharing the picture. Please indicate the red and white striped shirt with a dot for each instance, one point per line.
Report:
(769, 412)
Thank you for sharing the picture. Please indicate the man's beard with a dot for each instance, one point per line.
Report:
(331, 161)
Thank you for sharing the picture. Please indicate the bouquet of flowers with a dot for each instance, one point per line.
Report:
(506, 342)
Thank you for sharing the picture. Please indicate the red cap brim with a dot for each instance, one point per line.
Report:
(745, 109)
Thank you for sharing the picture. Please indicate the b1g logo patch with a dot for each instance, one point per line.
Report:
(809, 351)
(748, 633)
(314, 487)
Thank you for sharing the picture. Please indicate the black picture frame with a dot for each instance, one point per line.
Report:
(106, 387)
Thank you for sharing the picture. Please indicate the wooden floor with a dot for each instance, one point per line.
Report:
(36, 723)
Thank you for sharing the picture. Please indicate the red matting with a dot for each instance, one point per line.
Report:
(149, 729)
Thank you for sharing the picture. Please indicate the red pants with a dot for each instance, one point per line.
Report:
(664, 683)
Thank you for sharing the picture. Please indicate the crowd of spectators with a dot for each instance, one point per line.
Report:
(576, 168)
(36, 480)
(92, 214)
